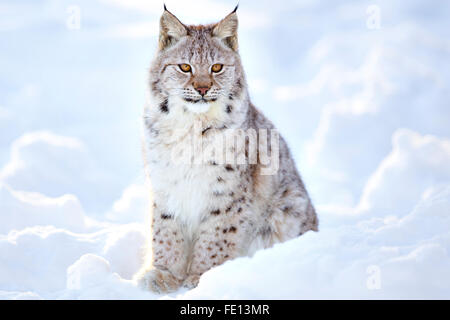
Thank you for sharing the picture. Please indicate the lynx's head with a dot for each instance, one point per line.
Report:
(197, 66)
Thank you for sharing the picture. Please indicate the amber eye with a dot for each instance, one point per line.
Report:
(185, 67)
(216, 67)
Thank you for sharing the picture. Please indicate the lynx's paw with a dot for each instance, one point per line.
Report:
(158, 281)
(191, 281)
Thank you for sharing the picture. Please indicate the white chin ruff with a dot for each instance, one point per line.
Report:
(199, 107)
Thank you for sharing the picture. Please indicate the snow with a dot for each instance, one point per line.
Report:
(22, 209)
(407, 249)
(337, 262)
(365, 112)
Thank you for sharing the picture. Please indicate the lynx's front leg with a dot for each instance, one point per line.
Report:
(224, 235)
(169, 255)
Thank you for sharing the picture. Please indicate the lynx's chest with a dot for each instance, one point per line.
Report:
(183, 167)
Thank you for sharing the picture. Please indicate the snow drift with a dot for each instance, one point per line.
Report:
(52, 250)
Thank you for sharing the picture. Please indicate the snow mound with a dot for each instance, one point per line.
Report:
(132, 206)
(90, 277)
(405, 258)
(42, 160)
(87, 271)
(415, 164)
(36, 259)
(25, 209)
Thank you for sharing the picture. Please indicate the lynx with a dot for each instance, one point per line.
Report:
(208, 209)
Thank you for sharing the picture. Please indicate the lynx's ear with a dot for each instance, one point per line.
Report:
(170, 29)
(226, 30)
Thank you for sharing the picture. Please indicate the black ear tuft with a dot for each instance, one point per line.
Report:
(235, 9)
(165, 8)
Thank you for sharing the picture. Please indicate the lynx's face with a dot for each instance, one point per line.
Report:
(197, 64)
(199, 68)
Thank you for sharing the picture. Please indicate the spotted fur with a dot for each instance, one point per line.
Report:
(206, 213)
